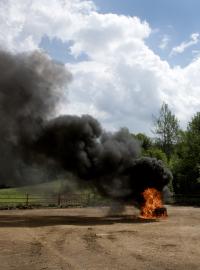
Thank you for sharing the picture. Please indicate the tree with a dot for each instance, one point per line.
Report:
(157, 153)
(145, 141)
(167, 130)
(185, 163)
(149, 149)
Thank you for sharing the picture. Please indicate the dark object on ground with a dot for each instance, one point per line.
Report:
(160, 212)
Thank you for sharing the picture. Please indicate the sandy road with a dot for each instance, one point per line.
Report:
(89, 240)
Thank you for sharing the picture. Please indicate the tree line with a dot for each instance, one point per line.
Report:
(178, 149)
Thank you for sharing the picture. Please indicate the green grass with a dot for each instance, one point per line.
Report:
(44, 188)
(48, 194)
(37, 193)
(45, 193)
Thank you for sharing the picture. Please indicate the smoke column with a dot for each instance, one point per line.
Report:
(31, 140)
(30, 87)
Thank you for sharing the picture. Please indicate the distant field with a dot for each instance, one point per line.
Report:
(53, 193)
(34, 194)
(54, 186)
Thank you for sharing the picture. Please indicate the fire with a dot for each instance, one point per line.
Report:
(153, 206)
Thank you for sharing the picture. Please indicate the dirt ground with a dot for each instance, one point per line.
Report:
(89, 239)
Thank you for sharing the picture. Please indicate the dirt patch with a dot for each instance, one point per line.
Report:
(88, 239)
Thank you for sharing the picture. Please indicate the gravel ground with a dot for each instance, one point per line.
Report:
(88, 239)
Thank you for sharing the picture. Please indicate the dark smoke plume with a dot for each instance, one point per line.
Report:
(29, 90)
(32, 139)
(110, 162)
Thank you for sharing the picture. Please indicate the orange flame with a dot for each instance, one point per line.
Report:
(153, 207)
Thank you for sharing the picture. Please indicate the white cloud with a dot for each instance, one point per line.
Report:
(103, 33)
(23, 23)
(123, 82)
(194, 39)
(164, 42)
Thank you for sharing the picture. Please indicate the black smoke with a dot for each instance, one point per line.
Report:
(32, 140)
(30, 87)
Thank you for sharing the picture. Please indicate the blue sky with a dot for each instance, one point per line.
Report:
(123, 67)
(182, 15)
(158, 12)
(59, 50)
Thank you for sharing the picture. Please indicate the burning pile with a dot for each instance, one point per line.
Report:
(40, 147)
(153, 206)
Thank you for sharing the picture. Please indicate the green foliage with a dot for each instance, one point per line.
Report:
(166, 129)
(149, 149)
(156, 153)
(146, 142)
(185, 162)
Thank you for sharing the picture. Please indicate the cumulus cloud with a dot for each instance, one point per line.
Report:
(23, 23)
(194, 39)
(122, 82)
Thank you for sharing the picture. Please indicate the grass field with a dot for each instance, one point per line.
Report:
(48, 194)
(33, 194)
(54, 186)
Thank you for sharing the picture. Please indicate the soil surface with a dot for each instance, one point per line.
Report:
(90, 239)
